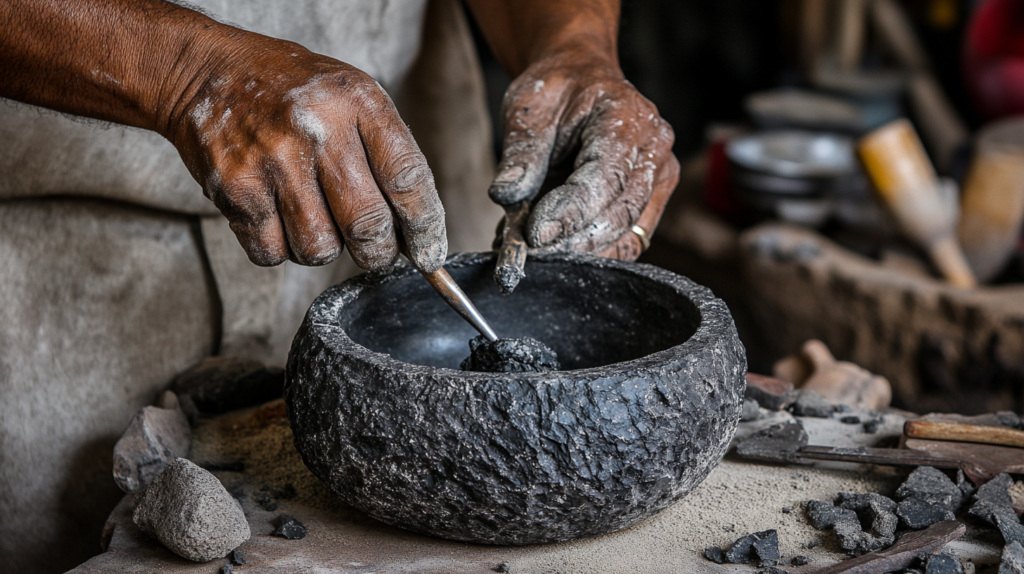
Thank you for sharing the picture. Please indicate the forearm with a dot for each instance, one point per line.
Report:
(522, 32)
(124, 61)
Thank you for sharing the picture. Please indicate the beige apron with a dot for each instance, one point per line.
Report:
(116, 273)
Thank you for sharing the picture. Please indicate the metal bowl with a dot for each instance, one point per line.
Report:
(646, 408)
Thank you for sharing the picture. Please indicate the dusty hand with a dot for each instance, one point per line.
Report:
(302, 154)
(574, 122)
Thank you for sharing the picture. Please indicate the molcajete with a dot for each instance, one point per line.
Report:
(646, 407)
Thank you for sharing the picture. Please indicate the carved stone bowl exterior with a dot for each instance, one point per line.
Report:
(646, 407)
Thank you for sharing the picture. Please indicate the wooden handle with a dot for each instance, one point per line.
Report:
(512, 257)
(940, 430)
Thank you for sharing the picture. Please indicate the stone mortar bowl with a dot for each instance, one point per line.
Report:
(645, 408)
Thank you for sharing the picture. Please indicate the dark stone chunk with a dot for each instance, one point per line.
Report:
(751, 411)
(917, 513)
(943, 564)
(221, 384)
(714, 554)
(510, 356)
(774, 443)
(811, 404)
(851, 420)
(992, 496)
(813, 544)
(823, 514)
(872, 426)
(767, 563)
(801, 560)
(264, 501)
(763, 545)
(769, 392)
(774, 570)
(504, 568)
(857, 509)
(932, 485)
(289, 528)
(238, 557)
(1008, 524)
(1012, 561)
(787, 509)
(226, 569)
(855, 501)
(767, 545)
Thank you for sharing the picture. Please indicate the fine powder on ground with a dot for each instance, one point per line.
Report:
(510, 356)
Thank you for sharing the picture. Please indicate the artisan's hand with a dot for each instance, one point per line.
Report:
(301, 152)
(573, 114)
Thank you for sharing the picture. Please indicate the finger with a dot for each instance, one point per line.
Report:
(604, 166)
(402, 174)
(531, 125)
(249, 206)
(309, 227)
(610, 232)
(629, 246)
(360, 210)
(818, 354)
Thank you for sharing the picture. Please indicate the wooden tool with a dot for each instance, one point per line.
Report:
(906, 181)
(512, 256)
(982, 461)
(942, 430)
(903, 553)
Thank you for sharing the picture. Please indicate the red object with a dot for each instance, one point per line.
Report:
(719, 194)
(994, 58)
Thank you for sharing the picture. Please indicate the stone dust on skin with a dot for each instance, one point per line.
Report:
(510, 356)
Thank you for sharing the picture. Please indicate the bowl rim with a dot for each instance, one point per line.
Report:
(710, 310)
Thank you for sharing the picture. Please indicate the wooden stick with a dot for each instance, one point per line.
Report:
(512, 257)
(939, 430)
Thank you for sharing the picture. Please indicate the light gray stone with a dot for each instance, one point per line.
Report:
(1013, 559)
(154, 438)
(188, 510)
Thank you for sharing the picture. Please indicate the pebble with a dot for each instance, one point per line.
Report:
(801, 560)
(238, 558)
(944, 563)
(188, 510)
(715, 554)
(1012, 561)
(762, 545)
(751, 411)
(504, 568)
(811, 404)
(289, 528)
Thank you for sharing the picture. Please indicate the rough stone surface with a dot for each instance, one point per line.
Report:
(238, 558)
(646, 407)
(928, 496)
(1012, 561)
(221, 384)
(824, 514)
(769, 392)
(758, 546)
(811, 404)
(874, 510)
(714, 554)
(509, 356)
(154, 438)
(943, 563)
(992, 496)
(188, 510)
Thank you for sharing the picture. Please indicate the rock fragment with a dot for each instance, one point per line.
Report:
(943, 563)
(760, 545)
(991, 496)
(801, 560)
(823, 514)
(1012, 561)
(227, 569)
(221, 384)
(769, 392)
(155, 437)
(853, 511)
(751, 411)
(509, 356)
(504, 567)
(715, 554)
(928, 496)
(289, 528)
(239, 558)
(811, 404)
(188, 510)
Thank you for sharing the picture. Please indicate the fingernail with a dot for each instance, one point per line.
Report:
(549, 231)
(510, 175)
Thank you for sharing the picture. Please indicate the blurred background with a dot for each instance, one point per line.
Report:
(853, 172)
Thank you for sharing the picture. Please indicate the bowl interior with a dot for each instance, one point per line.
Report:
(591, 316)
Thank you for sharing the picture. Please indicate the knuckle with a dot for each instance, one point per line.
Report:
(372, 225)
(411, 175)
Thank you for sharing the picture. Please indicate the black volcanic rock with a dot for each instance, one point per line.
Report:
(645, 407)
(509, 356)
